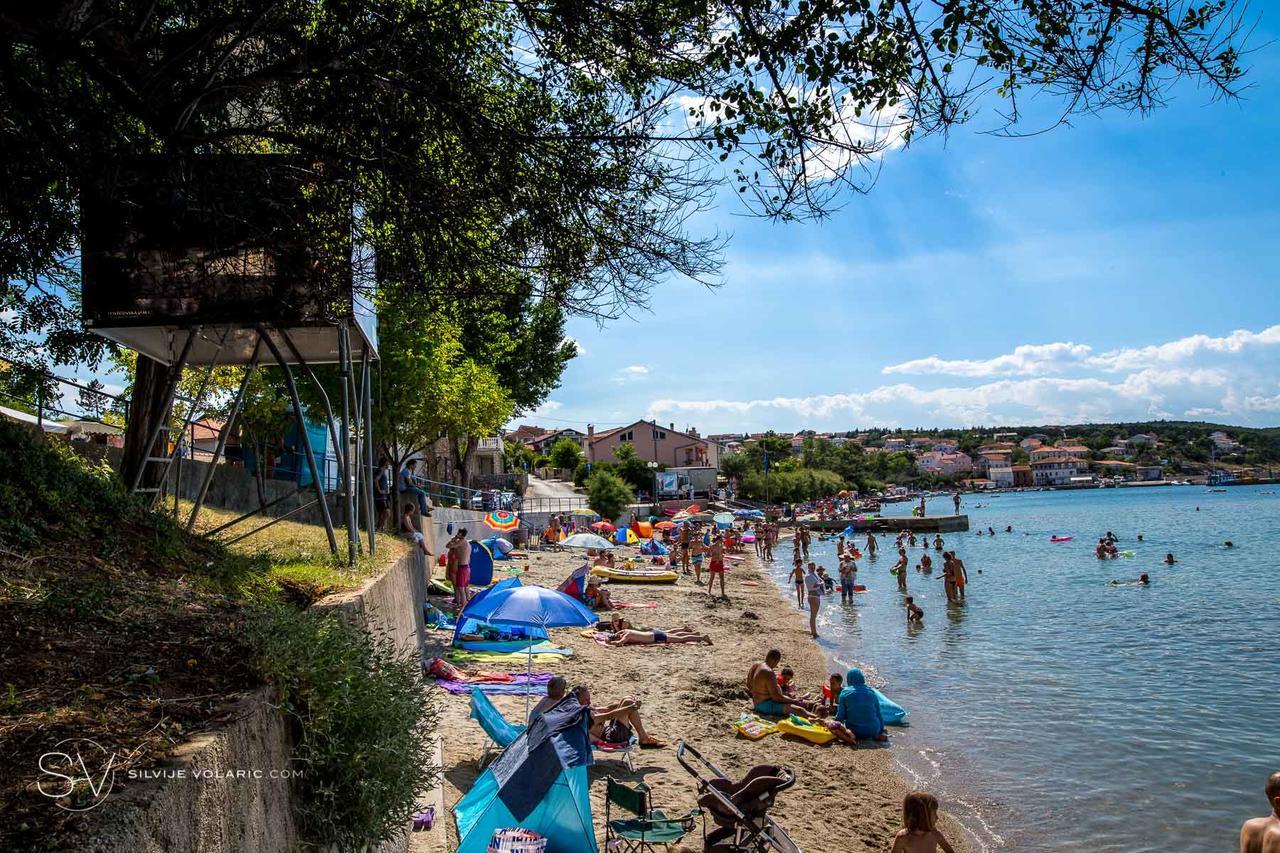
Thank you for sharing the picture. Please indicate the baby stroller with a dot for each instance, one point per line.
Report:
(739, 809)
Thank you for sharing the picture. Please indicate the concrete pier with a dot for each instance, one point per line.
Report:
(928, 524)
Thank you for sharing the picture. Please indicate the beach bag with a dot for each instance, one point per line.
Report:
(616, 731)
(516, 841)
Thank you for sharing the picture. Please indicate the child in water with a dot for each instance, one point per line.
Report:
(920, 820)
(914, 613)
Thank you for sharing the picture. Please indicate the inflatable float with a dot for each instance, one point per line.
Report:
(754, 728)
(1061, 538)
(812, 732)
(635, 575)
(857, 587)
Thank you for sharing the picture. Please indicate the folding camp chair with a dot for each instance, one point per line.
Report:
(614, 750)
(501, 733)
(649, 827)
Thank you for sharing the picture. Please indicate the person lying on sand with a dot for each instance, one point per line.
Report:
(604, 720)
(766, 697)
(1262, 834)
(634, 637)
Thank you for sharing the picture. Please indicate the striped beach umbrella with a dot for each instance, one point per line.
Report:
(502, 520)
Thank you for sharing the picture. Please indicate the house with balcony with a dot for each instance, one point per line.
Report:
(945, 464)
(657, 443)
(894, 445)
(1072, 448)
(1057, 470)
(1000, 474)
(1030, 443)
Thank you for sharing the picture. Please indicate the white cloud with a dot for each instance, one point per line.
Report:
(1061, 357)
(1186, 349)
(631, 373)
(546, 408)
(1025, 360)
(1146, 394)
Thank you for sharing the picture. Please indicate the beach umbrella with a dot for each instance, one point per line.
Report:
(665, 525)
(604, 526)
(583, 512)
(587, 540)
(531, 607)
(503, 520)
(722, 520)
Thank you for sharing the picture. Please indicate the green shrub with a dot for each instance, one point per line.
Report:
(565, 454)
(361, 721)
(608, 495)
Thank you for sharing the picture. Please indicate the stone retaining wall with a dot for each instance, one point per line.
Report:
(217, 814)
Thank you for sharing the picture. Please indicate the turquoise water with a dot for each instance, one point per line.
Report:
(1055, 712)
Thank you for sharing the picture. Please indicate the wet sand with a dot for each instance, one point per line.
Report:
(845, 798)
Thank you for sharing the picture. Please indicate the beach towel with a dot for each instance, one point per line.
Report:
(520, 685)
(495, 658)
(624, 605)
(442, 669)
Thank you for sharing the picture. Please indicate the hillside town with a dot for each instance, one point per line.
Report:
(1057, 457)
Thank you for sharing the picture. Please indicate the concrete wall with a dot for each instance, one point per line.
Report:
(184, 813)
(235, 815)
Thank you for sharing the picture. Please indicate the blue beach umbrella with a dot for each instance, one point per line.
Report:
(532, 607)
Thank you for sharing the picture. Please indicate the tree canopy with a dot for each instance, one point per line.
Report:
(539, 150)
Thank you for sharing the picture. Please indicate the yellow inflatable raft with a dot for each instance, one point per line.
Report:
(635, 575)
(812, 732)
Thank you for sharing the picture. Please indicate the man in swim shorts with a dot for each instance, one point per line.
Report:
(634, 637)
(766, 696)
(716, 566)
(460, 553)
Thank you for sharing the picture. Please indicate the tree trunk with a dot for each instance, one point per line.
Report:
(461, 455)
(147, 410)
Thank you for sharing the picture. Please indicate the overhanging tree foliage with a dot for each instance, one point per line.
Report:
(536, 151)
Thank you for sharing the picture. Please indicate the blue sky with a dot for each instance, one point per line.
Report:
(1136, 257)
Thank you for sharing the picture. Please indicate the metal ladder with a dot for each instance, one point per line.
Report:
(172, 433)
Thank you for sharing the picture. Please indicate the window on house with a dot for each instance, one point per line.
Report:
(662, 436)
(628, 436)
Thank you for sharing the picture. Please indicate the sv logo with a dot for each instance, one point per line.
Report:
(77, 774)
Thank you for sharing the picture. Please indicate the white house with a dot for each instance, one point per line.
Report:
(1000, 473)
(1057, 470)
(893, 445)
(944, 464)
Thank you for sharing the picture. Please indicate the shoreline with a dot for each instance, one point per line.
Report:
(844, 798)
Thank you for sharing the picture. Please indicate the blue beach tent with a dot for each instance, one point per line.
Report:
(538, 783)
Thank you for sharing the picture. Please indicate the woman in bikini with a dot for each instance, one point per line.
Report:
(633, 637)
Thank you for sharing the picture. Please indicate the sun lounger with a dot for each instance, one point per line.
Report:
(501, 732)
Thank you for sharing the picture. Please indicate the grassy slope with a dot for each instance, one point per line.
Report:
(118, 626)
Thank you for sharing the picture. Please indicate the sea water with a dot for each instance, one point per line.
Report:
(1053, 711)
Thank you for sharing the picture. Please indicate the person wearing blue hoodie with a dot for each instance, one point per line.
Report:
(858, 708)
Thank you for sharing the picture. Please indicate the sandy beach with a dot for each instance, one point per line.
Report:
(845, 798)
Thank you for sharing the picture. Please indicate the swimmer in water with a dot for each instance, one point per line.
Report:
(1009, 529)
(1168, 559)
(1228, 544)
(990, 532)
(1142, 580)
(1139, 537)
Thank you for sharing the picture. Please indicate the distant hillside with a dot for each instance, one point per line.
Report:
(1180, 445)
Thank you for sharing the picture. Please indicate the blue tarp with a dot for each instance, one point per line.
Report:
(471, 625)
(538, 783)
(481, 565)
